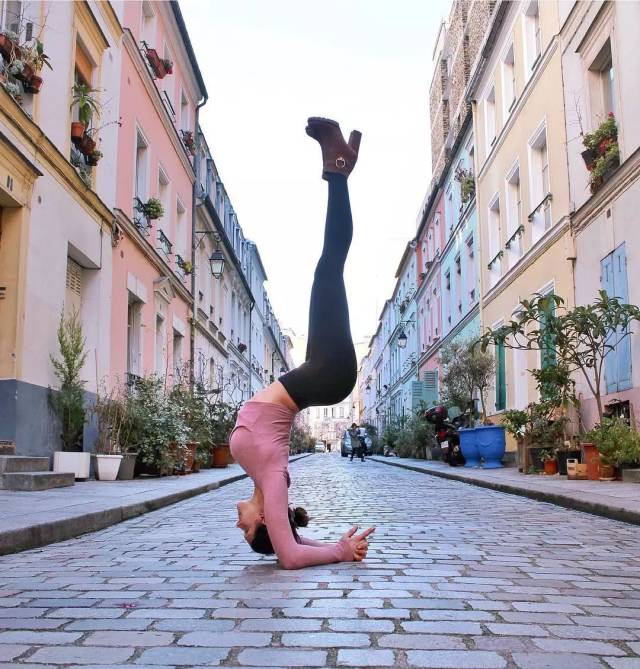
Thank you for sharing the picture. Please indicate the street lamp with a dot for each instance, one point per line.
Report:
(216, 262)
(402, 340)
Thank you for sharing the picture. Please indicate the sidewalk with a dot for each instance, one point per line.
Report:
(620, 501)
(33, 519)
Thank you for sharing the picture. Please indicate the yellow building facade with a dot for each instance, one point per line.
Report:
(523, 200)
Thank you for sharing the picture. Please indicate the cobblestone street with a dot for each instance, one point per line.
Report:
(457, 577)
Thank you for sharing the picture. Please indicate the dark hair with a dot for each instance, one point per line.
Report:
(354, 425)
(261, 543)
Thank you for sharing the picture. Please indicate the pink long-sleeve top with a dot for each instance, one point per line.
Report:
(260, 444)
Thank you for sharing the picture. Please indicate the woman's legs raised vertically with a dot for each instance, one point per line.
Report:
(329, 372)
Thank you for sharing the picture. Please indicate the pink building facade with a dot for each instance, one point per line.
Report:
(161, 90)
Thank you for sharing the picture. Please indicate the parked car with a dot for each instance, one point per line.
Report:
(320, 447)
(345, 442)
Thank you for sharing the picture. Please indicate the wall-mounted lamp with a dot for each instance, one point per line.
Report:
(216, 261)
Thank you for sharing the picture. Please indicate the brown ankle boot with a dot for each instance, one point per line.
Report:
(338, 156)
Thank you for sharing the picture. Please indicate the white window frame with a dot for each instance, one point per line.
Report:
(508, 72)
(542, 220)
(513, 213)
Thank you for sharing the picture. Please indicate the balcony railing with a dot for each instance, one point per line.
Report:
(139, 219)
(164, 245)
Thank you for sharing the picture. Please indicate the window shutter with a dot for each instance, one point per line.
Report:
(611, 359)
(73, 293)
(417, 394)
(501, 388)
(431, 388)
(623, 347)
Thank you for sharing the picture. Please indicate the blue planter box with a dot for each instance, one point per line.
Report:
(491, 445)
(469, 447)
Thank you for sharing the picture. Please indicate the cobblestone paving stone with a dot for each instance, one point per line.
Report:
(457, 577)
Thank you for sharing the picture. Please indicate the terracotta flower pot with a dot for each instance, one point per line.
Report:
(87, 145)
(221, 455)
(77, 131)
(591, 458)
(27, 73)
(551, 467)
(607, 472)
(6, 47)
(34, 85)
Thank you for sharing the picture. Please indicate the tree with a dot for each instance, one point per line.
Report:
(68, 402)
(576, 340)
(466, 371)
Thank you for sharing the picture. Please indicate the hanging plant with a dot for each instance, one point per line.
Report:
(602, 154)
(467, 183)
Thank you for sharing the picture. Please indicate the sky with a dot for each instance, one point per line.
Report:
(365, 63)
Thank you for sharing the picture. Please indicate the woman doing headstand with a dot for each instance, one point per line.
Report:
(260, 439)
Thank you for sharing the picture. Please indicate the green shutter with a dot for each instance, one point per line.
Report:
(431, 388)
(547, 348)
(501, 387)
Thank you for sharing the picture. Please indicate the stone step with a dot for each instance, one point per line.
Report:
(631, 475)
(23, 463)
(7, 448)
(35, 480)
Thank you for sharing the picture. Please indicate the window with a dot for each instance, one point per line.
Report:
(134, 323)
(458, 283)
(602, 85)
(181, 231)
(508, 81)
(11, 15)
(333, 412)
(514, 217)
(148, 23)
(501, 386)
(494, 266)
(613, 279)
(540, 185)
(164, 195)
(471, 271)
(142, 159)
(326, 412)
(185, 121)
(160, 348)
(532, 37)
(490, 119)
(178, 340)
(547, 348)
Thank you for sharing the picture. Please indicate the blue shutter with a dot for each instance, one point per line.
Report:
(431, 388)
(623, 347)
(611, 359)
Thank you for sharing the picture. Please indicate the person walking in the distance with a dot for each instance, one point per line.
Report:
(356, 442)
(260, 440)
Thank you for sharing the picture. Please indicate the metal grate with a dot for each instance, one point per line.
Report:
(74, 277)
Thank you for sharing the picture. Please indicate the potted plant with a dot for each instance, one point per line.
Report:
(189, 141)
(168, 65)
(548, 458)
(87, 103)
(152, 208)
(602, 152)
(467, 373)
(242, 347)
(67, 403)
(222, 416)
(9, 47)
(618, 445)
(467, 183)
(36, 58)
(94, 157)
(157, 64)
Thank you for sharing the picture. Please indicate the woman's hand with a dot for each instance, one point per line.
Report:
(358, 542)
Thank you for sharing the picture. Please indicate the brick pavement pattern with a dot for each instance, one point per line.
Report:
(457, 577)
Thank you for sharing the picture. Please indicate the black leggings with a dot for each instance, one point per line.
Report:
(328, 374)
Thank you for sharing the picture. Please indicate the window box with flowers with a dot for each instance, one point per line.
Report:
(189, 141)
(161, 67)
(602, 152)
(34, 59)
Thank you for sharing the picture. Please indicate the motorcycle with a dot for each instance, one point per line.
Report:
(446, 433)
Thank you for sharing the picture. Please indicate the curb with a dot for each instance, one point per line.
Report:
(566, 501)
(36, 536)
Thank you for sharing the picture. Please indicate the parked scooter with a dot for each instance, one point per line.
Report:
(447, 434)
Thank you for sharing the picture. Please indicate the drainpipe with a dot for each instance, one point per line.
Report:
(192, 332)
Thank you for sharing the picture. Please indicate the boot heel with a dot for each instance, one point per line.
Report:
(354, 140)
